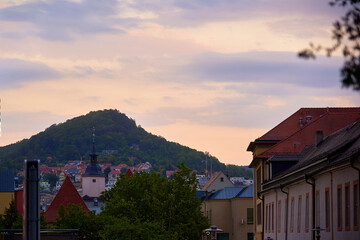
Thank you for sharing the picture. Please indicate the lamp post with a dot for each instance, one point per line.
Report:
(212, 231)
(317, 232)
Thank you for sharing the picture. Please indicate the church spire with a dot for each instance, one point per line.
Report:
(93, 168)
(93, 141)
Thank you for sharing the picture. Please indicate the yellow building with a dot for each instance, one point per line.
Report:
(230, 209)
(7, 186)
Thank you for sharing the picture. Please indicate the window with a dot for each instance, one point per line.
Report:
(250, 217)
(347, 206)
(292, 214)
(258, 179)
(258, 214)
(266, 218)
(286, 215)
(272, 217)
(250, 236)
(94, 180)
(317, 208)
(221, 179)
(339, 209)
(279, 216)
(327, 210)
(222, 236)
(299, 214)
(356, 205)
(307, 212)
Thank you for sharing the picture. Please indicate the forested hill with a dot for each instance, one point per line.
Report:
(72, 140)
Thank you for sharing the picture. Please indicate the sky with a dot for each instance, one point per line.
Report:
(212, 75)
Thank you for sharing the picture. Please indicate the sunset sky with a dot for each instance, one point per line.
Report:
(209, 74)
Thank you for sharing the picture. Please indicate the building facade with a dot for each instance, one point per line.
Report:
(320, 191)
(230, 209)
(281, 147)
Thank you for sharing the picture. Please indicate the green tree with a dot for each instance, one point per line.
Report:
(74, 217)
(148, 206)
(346, 36)
(51, 179)
(106, 172)
(11, 218)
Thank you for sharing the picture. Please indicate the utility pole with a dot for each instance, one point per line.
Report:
(31, 218)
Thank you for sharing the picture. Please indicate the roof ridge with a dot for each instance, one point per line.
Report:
(212, 179)
(306, 126)
(311, 108)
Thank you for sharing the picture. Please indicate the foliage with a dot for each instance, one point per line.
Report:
(51, 178)
(11, 218)
(74, 217)
(346, 36)
(106, 172)
(114, 131)
(148, 206)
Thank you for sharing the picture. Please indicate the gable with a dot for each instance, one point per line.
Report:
(66, 195)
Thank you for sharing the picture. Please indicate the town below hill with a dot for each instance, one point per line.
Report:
(51, 178)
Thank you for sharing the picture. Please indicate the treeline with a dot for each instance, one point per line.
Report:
(72, 140)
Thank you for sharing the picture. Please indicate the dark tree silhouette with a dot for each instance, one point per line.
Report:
(346, 37)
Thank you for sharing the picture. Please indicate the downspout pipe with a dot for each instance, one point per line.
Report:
(262, 209)
(352, 160)
(286, 213)
(307, 177)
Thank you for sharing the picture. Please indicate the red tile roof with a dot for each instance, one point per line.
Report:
(66, 195)
(328, 124)
(292, 123)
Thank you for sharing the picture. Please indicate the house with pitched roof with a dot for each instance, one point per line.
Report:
(231, 210)
(67, 194)
(283, 146)
(218, 181)
(321, 190)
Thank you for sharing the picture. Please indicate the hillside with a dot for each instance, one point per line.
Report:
(114, 131)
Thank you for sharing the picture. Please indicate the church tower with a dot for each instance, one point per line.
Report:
(93, 180)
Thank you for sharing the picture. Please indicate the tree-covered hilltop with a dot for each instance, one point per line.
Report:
(118, 140)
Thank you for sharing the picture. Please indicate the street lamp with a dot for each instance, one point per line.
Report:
(212, 231)
(317, 232)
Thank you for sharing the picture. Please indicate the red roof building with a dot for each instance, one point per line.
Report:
(305, 136)
(66, 195)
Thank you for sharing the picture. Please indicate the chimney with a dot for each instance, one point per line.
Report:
(301, 122)
(318, 137)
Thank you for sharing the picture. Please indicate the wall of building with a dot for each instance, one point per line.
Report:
(93, 185)
(230, 215)
(241, 227)
(329, 181)
(5, 199)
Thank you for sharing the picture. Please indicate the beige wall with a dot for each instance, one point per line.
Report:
(220, 182)
(5, 199)
(230, 215)
(91, 188)
(331, 180)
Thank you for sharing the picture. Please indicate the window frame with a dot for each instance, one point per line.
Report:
(327, 209)
(347, 206)
(307, 212)
(299, 214)
(339, 207)
(356, 205)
